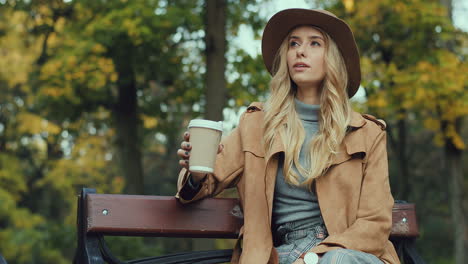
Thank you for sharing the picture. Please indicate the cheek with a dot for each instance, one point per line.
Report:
(289, 59)
(321, 62)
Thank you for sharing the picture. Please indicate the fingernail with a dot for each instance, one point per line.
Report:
(186, 153)
(188, 145)
(185, 134)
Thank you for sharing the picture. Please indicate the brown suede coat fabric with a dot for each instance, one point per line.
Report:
(354, 195)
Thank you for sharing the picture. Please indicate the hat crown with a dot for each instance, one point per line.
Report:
(326, 12)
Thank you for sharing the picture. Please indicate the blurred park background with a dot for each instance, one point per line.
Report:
(97, 93)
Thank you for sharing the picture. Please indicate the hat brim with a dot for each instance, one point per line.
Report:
(284, 21)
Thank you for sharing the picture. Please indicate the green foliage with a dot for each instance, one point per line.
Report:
(63, 64)
(11, 176)
(414, 75)
(404, 45)
(250, 79)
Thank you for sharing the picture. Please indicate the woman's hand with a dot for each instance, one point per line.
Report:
(184, 154)
(184, 151)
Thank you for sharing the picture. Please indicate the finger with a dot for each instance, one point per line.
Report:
(184, 154)
(220, 148)
(186, 145)
(184, 163)
(187, 136)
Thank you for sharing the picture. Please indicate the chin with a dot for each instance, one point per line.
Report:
(305, 83)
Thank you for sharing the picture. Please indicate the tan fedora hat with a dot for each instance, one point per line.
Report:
(284, 21)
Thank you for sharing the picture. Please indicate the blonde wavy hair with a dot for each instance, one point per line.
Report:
(281, 117)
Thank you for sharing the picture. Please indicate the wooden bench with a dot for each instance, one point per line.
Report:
(102, 215)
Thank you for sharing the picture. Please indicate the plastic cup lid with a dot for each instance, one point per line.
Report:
(207, 124)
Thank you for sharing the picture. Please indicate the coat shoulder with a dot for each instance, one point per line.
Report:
(364, 134)
(252, 118)
(251, 129)
(253, 114)
(375, 121)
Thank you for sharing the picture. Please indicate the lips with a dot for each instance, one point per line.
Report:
(301, 65)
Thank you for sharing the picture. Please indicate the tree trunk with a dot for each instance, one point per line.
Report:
(454, 166)
(127, 123)
(215, 81)
(215, 41)
(128, 143)
(404, 183)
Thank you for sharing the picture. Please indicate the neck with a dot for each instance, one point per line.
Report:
(308, 95)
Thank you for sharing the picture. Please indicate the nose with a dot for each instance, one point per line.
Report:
(300, 51)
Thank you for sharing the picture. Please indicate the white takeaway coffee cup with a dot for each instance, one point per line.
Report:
(205, 136)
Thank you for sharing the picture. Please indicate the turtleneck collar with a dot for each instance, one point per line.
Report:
(307, 112)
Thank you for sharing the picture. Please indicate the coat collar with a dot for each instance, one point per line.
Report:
(352, 143)
(357, 121)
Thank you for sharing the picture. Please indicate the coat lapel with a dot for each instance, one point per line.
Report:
(352, 143)
(271, 163)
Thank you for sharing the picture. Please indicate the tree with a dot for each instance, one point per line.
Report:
(96, 74)
(129, 47)
(215, 50)
(413, 75)
(26, 142)
(454, 147)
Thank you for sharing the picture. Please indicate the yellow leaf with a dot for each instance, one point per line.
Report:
(98, 48)
(439, 140)
(458, 142)
(432, 124)
(349, 5)
(149, 122)
(29, 123)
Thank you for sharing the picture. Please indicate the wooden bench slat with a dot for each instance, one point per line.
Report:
(404, 222)
(164, 216)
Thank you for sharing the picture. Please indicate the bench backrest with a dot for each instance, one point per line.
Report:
(164, 216)
(99, 215)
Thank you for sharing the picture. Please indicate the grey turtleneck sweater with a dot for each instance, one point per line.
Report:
(295, 203)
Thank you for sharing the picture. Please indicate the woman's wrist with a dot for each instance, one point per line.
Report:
(194, 185)
(197, 177)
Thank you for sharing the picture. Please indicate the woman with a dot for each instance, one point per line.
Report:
(311, 174)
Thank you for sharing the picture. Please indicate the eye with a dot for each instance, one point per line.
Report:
(315, 43)
(293, 44)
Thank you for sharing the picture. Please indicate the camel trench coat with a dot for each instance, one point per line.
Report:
(354, 195)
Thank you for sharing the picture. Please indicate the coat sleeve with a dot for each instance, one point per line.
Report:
(228, 168)
(371, 230)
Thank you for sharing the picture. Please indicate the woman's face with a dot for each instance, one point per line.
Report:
(305, 56)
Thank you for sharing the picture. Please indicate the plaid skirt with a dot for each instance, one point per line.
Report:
(293, 239)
